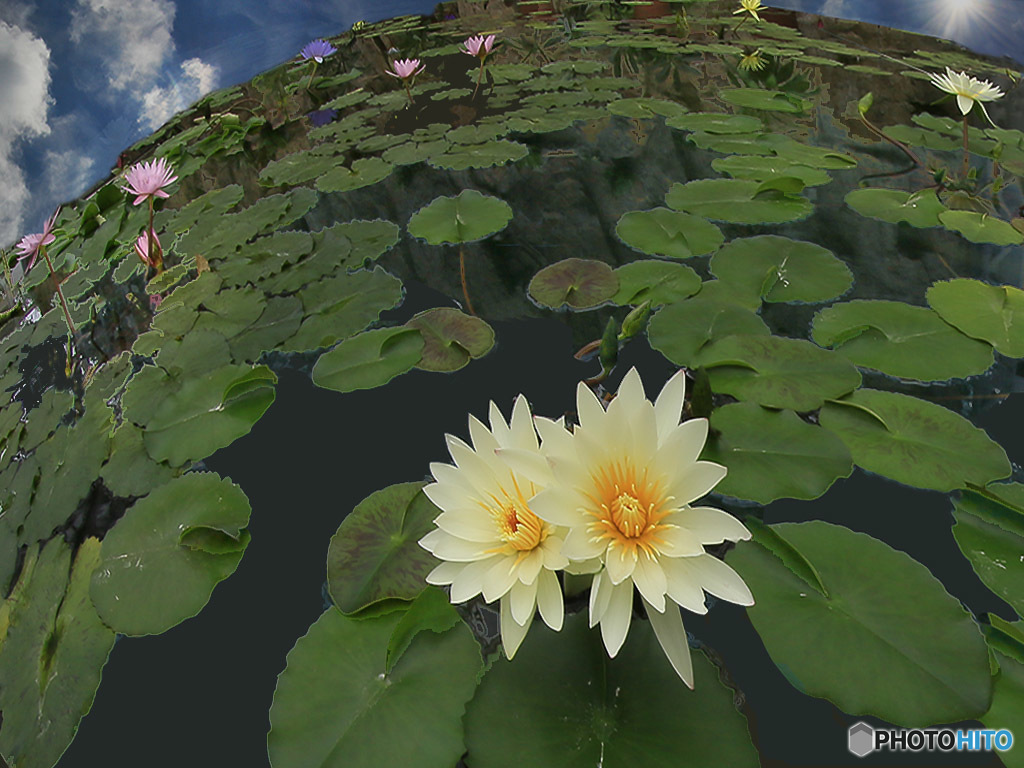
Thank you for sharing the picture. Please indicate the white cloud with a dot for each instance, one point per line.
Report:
(25, 96)
(159, 104)
(69, 171)
(132, 37)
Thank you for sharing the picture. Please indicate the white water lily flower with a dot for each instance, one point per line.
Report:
(968, 90)
(623, 484)
(751, 7)
(487, 534)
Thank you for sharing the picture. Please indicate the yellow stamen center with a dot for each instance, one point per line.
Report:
(520, 528)
(628, 507)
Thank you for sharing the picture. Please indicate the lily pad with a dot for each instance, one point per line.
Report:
(53, 653)
(1007, 708)
(777, 372)
(576, 283)
(658, 282)
(645, 109)
(757, 168)
(363, 173)
(759, 98)
(459, 157)
(681, 330)
(450, 338)
(368, 359)
(992, 313)
(279, 320)
(160, 563)
(913, 441)
(780, 269)
(739, 201)
(467, 217)
(900, 340)
(774, 454)
(375, 556)
(581, 709)
(663, 232)
(981, 228)
(709, 122)
(337, 705)
(919, 209)
(991, 536)
(888, 640)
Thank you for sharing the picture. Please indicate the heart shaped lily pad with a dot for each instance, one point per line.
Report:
(450, 338)
(577, 283)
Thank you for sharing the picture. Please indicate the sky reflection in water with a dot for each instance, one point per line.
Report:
(82, 81)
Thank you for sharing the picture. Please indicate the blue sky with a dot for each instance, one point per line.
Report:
(80, 80)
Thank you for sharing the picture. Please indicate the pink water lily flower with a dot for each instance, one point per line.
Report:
(142, 249)
(406, 68)
(28, 247)
(478, 45)
(147, 180)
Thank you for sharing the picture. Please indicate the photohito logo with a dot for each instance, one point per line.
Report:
(862, 740)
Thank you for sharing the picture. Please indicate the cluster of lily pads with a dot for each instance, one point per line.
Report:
(109, 525)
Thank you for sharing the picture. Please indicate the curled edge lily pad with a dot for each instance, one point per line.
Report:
(576, 283)
(992, 313)
(160, 563)
(740, 201)
(464, 218)
(450, 338)
(369, 359)
(981, 228)
(991, 536)
(919, 209)
(681, 330)
(375, 556)
(664, 232)
(659, 282)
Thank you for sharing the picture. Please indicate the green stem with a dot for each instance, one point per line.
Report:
(478, 77)
(60, 293)
(311, 73)
(408, 90)
(966, 160)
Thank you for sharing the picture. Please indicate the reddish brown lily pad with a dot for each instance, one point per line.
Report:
(451, 338)
(578, 283)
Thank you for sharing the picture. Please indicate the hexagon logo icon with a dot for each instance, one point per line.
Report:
(861, 739)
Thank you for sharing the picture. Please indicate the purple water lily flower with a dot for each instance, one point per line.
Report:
(322, 116)
(406, 68)
(28, 247)
(149, 179)
(317, 50)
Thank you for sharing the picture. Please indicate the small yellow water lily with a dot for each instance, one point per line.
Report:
(968, 90)
(751, 7)
(623, 482)
(753, 61)
(487, 534)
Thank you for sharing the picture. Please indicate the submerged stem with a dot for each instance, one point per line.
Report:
(465, 290)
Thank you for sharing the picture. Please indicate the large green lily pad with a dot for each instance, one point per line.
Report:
(991, 536)
(913, 441)
(740, 201)
(992, 313)
(919, 209)
(781, 269)
(375, 556)
(464, 218)
(575, 708)
(664, 232)
(900, 340)
(981, 228)
(337, 705)
(681, 330)
(709, 122)
(888, 640)
(774, 454)
(759, 168)
(658, 282)
(160, 563)
(759, 98)
(369, 359)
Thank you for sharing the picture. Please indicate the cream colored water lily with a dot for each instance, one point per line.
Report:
(487, 534)
(968, 90)
(751, 7)
(624, 480)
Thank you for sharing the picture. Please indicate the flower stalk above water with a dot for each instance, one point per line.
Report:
(147, 181)
(750, 9)
(30, 246)
(479, 46)
(968, 91)
(316, 51)
(406, 70)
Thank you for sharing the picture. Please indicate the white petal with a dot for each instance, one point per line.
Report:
(551, 548)
(530, 566)
(499, 579)
(447, 496)
(471, 526)
(549, 600)
(483, 440)
(669, 405)
(512, 633)
(429, 541)
(600, 594)
(685, 442)
(523, 435)
(668, 628)
(445, 573)
(720, 580)
(683, 586)
(620, 563)
(469, 582)
(584, 567)
(530, 464)
(499, 428)
(475, 469)
(695, 481)
(523, 601)
(588, 407)
(558, 506)
(554, 436)
(650, 581)
(448, 547)
(678, 541)
(964, 102)
(710, 525)
(449, 475)
(615, 621)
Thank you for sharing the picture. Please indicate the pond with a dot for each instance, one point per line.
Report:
(215, 487)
